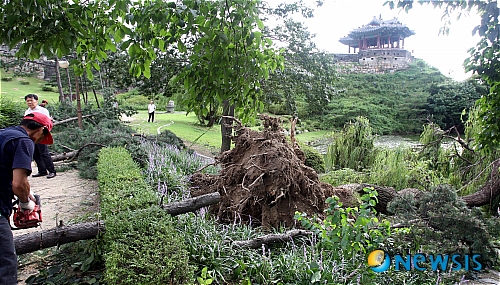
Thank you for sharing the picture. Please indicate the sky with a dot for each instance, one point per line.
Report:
(336, 18)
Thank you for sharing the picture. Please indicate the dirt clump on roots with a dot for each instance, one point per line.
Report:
(263, 179)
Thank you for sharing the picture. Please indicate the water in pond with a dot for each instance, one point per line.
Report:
(380, 141)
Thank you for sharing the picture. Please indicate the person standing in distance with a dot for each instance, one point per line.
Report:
(17, 145)
(41, 156)
(151, 111)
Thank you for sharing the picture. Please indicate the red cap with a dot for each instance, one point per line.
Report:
(45, 121)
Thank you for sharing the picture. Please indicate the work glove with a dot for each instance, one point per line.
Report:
(30, 205)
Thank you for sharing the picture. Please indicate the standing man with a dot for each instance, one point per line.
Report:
(151, 111)
(16, 152)
(42, 156)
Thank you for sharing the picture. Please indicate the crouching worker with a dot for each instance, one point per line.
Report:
(17, 145)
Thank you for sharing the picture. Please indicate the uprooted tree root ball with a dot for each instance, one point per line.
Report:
(263, 179)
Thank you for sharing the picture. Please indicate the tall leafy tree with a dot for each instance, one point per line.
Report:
(309, 73)
(484, 59)
(226, 62)
(448, 101)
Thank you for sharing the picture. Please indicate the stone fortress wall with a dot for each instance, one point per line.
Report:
(7, 58)
(375, 61)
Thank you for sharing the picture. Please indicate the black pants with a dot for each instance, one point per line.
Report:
(43, 159)
(151, 117)
(8, 258)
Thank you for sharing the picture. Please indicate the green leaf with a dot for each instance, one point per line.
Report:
(119, 34)
(260, 24)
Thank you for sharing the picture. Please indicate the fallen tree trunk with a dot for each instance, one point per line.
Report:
(484, 196)
(488, 192)
(72, 119)
(64, 156)
(272, 238)
(193, 204)
(73, 154)
(54, 237)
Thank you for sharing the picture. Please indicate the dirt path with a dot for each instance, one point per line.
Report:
(64, 198)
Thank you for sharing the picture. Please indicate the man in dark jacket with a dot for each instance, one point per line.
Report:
(16, 153)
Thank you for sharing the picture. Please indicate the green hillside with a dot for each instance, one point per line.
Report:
(394, 103)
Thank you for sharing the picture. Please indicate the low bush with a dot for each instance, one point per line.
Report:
(314, 159)
(10, 112)
(141, 245)
(344, 176)
(7, 78)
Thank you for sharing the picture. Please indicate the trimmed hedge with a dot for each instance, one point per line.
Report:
(141, 245)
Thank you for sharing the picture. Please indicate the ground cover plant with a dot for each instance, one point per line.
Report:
(311, 259)
(139, 234)
(307, 260)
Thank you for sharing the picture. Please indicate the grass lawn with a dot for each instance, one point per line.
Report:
(16, 91)
(185, 127)
(313, 136)
(188, 129)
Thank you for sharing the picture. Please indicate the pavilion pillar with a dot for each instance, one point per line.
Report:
(389, 44)
(378, 41)
(403, 46)
(349, 48)
(364, 43)
(360, 45)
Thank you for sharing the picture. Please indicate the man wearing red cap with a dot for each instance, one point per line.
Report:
(17, 145)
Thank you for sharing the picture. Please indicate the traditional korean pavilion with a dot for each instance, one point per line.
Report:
(378, 34)
(378, 47)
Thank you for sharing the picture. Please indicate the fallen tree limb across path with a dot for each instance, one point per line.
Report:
(73, 154)
(272, 238)
(57, 236)
(72, 119)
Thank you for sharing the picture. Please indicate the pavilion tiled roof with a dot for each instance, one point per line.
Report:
(376, 27)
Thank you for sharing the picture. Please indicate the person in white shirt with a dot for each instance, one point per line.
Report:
(41, 155)
(151, 111)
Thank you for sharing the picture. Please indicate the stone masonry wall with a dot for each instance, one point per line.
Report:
(374, 61)
(7, 58)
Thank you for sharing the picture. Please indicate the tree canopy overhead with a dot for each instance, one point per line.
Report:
(221, 38)
(228, 56)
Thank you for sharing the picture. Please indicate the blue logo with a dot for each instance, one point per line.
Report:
(379, 261)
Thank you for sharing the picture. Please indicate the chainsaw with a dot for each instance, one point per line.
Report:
(23, 219)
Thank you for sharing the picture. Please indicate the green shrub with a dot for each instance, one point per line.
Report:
(145, 248)
(24, 82)
(10, 112)
(352, 147)
(314, 159)
(168, 137)
(340, 233)
(442, 222)
(344, 176)
(138, 102)
(7, 78)
(47, 88)
(141, 245)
